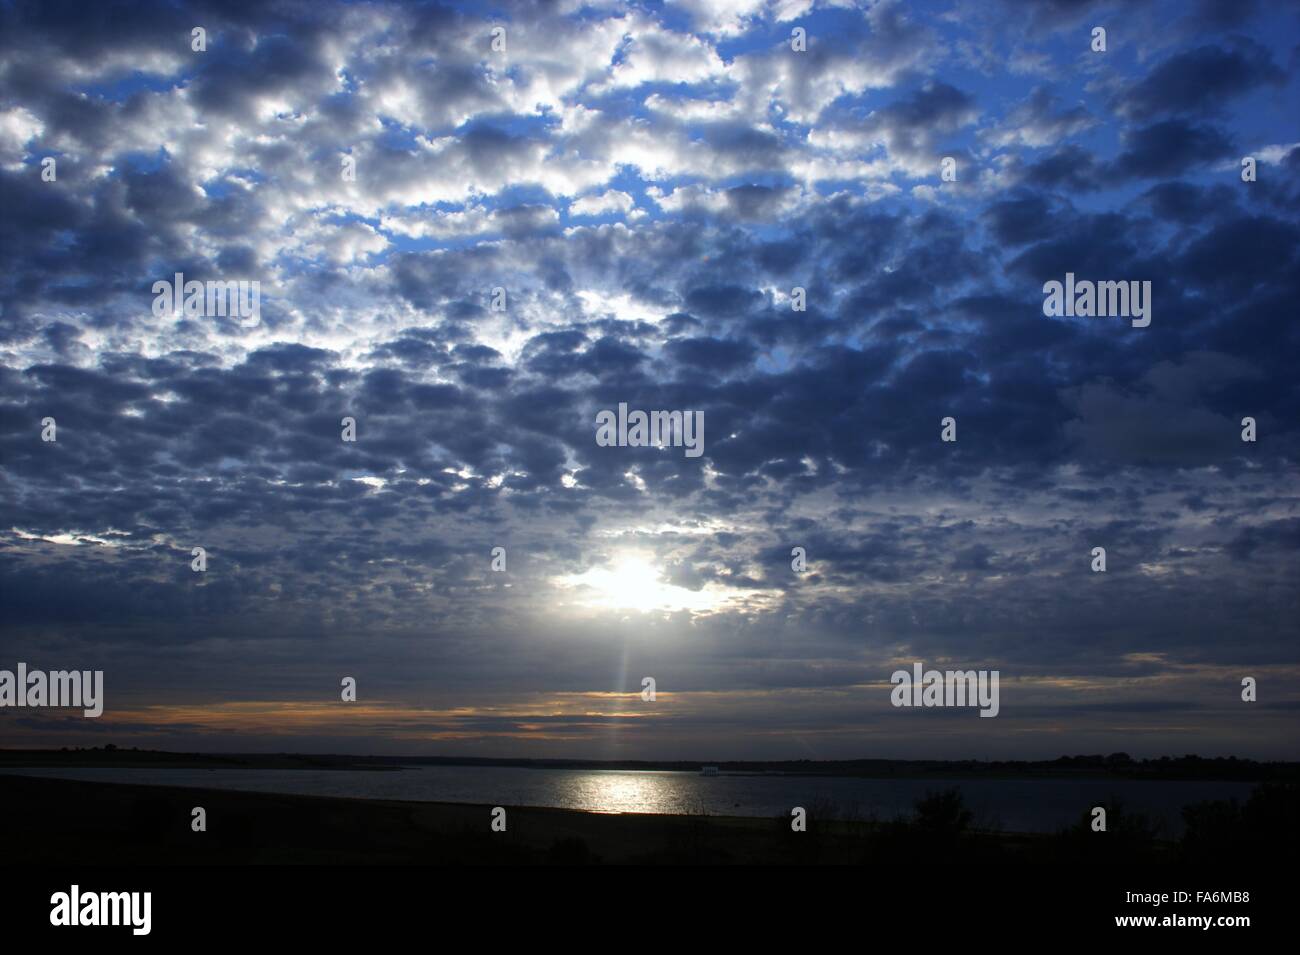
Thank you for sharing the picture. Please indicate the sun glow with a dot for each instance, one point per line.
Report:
(632, 582)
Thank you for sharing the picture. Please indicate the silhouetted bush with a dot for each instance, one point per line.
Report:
(1129, 836)
(1224, 830)
(943, 814)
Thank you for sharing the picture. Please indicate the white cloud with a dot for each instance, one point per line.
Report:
(17, 128)
(610, 201)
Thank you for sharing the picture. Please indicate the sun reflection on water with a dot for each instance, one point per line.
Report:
(615, 791)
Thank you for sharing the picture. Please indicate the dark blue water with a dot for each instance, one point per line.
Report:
(1035, 805)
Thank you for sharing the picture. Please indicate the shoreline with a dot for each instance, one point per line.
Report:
(72, 822)
(48, 821)
(485, 808)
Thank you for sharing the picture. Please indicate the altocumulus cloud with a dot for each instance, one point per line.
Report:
(472, 250)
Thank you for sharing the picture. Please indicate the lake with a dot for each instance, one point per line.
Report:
(1017, 805)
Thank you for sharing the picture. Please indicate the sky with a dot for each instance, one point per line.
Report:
(475, 227)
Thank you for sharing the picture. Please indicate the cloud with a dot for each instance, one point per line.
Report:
(646, 190)
(1200, 81)
(1036, 123)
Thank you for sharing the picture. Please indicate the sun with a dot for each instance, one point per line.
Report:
(633, 582)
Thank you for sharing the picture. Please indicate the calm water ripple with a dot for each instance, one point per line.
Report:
(1021, 805)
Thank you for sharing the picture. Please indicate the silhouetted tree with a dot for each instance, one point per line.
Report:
(943, 814)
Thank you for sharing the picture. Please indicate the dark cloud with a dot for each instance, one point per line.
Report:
(1170, 148)
(1200, 81)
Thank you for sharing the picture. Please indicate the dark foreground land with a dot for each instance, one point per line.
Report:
(45, 821)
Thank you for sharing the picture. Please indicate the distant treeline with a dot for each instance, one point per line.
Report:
(1119, 765)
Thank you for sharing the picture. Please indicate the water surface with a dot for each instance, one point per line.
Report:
(1019, 805)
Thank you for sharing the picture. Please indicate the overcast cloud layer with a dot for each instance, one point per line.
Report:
(648, 184)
